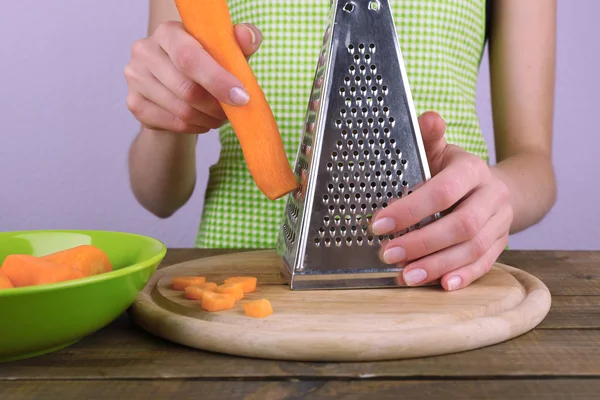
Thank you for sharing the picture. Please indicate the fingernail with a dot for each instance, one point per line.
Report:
(454, 282)
(238, 96)
(253, 35)
(382, 226)
(394, 255)
(415, 276)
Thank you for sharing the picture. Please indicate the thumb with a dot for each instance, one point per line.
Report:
(432, 128)
(249, 38)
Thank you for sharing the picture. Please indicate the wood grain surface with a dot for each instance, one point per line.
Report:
(560, 389)
(122, 351)
(559, 359)
(341, 325)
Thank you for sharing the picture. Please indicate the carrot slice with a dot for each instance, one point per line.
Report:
(181, 282)
(26, 270)
(209, 22)
(248, 282)
(195, 292)
(90, 260)
(208, 285)
(235, 289)
(258, 308)
(5, 283)
(212, 301)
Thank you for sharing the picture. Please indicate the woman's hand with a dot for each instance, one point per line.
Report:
(461, 246)
(174, 84)
(175, 87)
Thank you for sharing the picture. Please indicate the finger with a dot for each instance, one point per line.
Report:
(459, 226)
(156, 64)
(193, 61)
(432, 128)
(249, 38)
(154, 117)
(185, 89)
(438, 264)
(158, 94)
(463, 173)
(464, 276)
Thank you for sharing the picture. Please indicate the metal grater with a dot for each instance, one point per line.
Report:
(361, 149)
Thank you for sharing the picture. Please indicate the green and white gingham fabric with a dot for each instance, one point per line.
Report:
(442, 43)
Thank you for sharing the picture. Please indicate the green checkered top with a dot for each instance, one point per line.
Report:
(442, 42)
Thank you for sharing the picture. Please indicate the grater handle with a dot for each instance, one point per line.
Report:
(209, 22)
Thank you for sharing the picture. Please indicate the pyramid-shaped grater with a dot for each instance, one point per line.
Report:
(361, 149)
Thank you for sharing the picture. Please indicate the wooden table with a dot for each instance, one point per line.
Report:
(558, 360)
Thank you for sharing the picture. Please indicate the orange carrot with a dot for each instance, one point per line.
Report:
(26, 270)
(209, 22)
(207, 285)
(212, 301)
(248, 282)
(195, 292)
(5, 283)
(181, 282)
(235, 289)
(258, 308)
(89, 260)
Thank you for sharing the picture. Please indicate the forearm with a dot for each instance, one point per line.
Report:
(531, 181)
(162, 170)
(522, 52)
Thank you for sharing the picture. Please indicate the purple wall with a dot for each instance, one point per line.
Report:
(66, 129)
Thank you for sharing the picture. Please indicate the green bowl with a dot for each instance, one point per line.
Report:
(40, 319)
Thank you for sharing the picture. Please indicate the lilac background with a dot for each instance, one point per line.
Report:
(66, 129)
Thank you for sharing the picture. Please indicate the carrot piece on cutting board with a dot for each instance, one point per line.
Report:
(181, 282)
(89, 260)
(258, 308)
(5, 283)
(212, 301)
(208, 285)
(248, 282)
(195, 292)
(235, 289)
(209, 22)
(26, 270)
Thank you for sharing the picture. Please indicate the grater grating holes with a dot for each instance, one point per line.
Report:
(364, 165)
(374, 5)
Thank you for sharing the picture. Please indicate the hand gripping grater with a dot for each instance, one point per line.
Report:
(360, 150)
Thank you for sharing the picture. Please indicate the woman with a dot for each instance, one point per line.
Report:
(174, 86)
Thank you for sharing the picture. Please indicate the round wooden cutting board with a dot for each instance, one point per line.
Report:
(341, 325)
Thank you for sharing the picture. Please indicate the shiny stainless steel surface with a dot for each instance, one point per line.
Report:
(361, 150)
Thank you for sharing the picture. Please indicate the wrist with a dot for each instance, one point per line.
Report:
(531, 182)
(167, 136)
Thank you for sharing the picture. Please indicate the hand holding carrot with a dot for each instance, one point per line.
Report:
(175, 85)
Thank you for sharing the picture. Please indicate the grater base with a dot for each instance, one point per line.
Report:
(374, 278)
